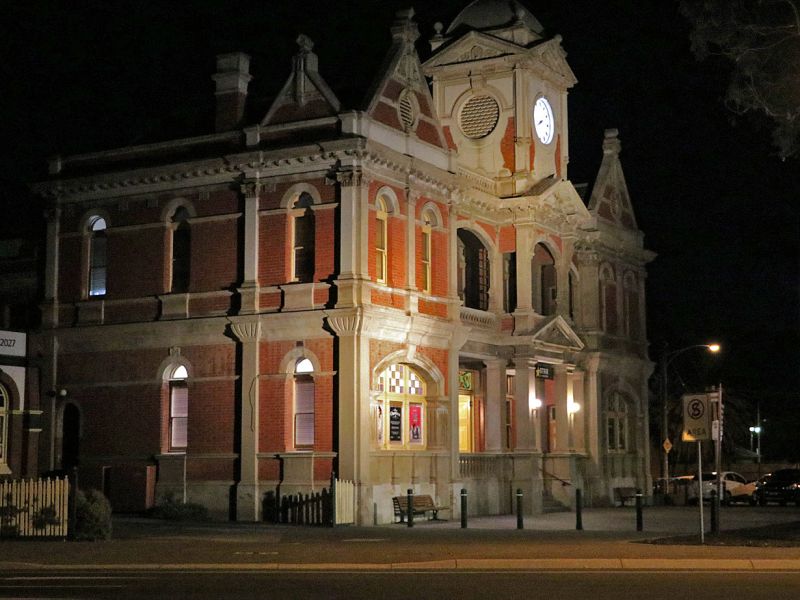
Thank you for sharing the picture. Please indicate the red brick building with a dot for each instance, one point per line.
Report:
(409, 292)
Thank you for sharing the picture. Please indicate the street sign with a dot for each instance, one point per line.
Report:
(667, 445)
(696, 418)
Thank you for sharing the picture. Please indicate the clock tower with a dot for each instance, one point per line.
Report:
(500, 88)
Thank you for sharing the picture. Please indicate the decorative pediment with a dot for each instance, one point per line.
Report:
(557, 332)
(471, 47)
(610, 200)
(551, 55)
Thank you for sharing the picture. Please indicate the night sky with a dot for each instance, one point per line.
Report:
(713, 199)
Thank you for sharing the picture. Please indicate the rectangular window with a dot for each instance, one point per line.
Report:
(304, 247)
(97, 265)
(2, 438)
(509, 414)
(380, 247)
(303, 413)
(178, 416)
(509, 282)
(426, 259)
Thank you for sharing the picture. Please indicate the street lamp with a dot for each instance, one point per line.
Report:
(666, 359)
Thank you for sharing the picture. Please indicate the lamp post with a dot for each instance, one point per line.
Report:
(666, 359)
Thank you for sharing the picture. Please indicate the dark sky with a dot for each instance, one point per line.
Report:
(713, 199)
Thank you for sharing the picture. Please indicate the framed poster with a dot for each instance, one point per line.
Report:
(396, 423)
(415, 423)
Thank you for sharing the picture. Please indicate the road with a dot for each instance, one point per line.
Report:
(386, 585)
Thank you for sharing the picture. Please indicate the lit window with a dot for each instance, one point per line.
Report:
(509, 414)
(426, 256)
(178, 409)
(5, 408)
(617, 423)
(181, 250)
(381, 241)
(303, 239)
(97, 257)
(303, 404)
(400, 409)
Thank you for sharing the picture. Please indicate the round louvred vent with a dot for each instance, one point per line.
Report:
(479, 116)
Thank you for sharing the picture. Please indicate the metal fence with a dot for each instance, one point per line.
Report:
(34, 508)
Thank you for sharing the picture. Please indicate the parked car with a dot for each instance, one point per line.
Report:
(747, 492)
(782, 487)
(730, 482)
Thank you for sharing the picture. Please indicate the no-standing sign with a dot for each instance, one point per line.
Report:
(696, 418)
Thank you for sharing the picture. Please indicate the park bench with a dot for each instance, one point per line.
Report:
(422, 504)
(623, 494)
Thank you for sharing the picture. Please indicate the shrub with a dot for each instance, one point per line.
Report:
(93, 513)
(173, 510)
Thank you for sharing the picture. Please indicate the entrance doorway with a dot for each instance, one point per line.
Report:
(465, 442)
(70, 436)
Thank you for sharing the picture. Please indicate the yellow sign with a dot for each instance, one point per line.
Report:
(667, 445)
(696, 418)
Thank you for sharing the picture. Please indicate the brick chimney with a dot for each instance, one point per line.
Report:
(232, 77)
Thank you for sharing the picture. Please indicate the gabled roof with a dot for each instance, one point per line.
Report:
(305, 95)
(610, 200)
(473, 46)
(557, 332)
(400, 98)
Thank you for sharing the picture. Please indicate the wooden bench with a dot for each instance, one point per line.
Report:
(423, 503)
(623, 494)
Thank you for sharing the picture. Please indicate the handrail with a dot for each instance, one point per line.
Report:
(563, 481)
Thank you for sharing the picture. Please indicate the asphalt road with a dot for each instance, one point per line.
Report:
(122, 585)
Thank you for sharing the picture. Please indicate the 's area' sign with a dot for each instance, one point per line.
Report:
(696, 418)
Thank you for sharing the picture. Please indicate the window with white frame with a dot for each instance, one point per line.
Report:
(98, 266)
(426, 251)
(5, 409)
(381, 241)
(617, 423)
(178, 409)
(303, 404)
(181, 250)
(401, 409)
(303, 239)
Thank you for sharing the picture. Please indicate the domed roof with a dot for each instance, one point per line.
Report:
(492, 14)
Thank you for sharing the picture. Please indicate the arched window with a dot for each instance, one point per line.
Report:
(608, 300)
(617, 423)
(381, 241)
(631, 306)
(181, 250)
(400, 408)
(5, 409)
(544, 280)
(303, 239)
(428, 222)
(473, 271)
(178, 409)
(97, 256)
(303, 404)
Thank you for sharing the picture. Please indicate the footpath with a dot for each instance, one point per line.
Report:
(609, 541)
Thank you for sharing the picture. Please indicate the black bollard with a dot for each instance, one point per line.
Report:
(463, 508)
(410, 509)
(519, 508)
(714, 512)
(639, 520)
(578, 510)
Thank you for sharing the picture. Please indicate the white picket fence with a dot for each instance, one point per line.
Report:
(34, 508)
(345, 497)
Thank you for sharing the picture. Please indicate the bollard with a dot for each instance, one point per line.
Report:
(410, 507)
(578, 510)
(714, 512)
(463, 508)
(519, 508)
(639, 520)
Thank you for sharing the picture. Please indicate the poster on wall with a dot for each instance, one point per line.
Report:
(395, 423)
(415, 423)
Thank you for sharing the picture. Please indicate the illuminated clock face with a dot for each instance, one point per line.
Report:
(543, 122)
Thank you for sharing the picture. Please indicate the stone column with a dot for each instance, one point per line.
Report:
(589, 305)
(353, 236)
(562, 418)
(50, 303)
(452, 264)
(577, 432)
(411, 247)
(562, 298)
(495, 404)
(523, 417)
(248, 497)
(248, 291)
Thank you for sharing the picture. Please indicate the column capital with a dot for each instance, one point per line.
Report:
(246, 331)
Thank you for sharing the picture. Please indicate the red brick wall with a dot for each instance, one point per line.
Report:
(69, 265)
(324, 243)
(273, 265)
(507, 146)
(214, 255)
(136, 261)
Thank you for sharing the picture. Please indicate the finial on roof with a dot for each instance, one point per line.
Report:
(611, 143)
(404, 28)
(305, 43)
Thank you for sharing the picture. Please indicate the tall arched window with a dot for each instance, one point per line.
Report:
(473, 276)
(97, 257)
(631, 306)
(303, 404)
(181, 250)
(617, 423)
(428, 222)
(178, 409)
(400, 407)
(544, 280)
(608, 300)
(5, 409)
(381, 241)
(303, 239)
